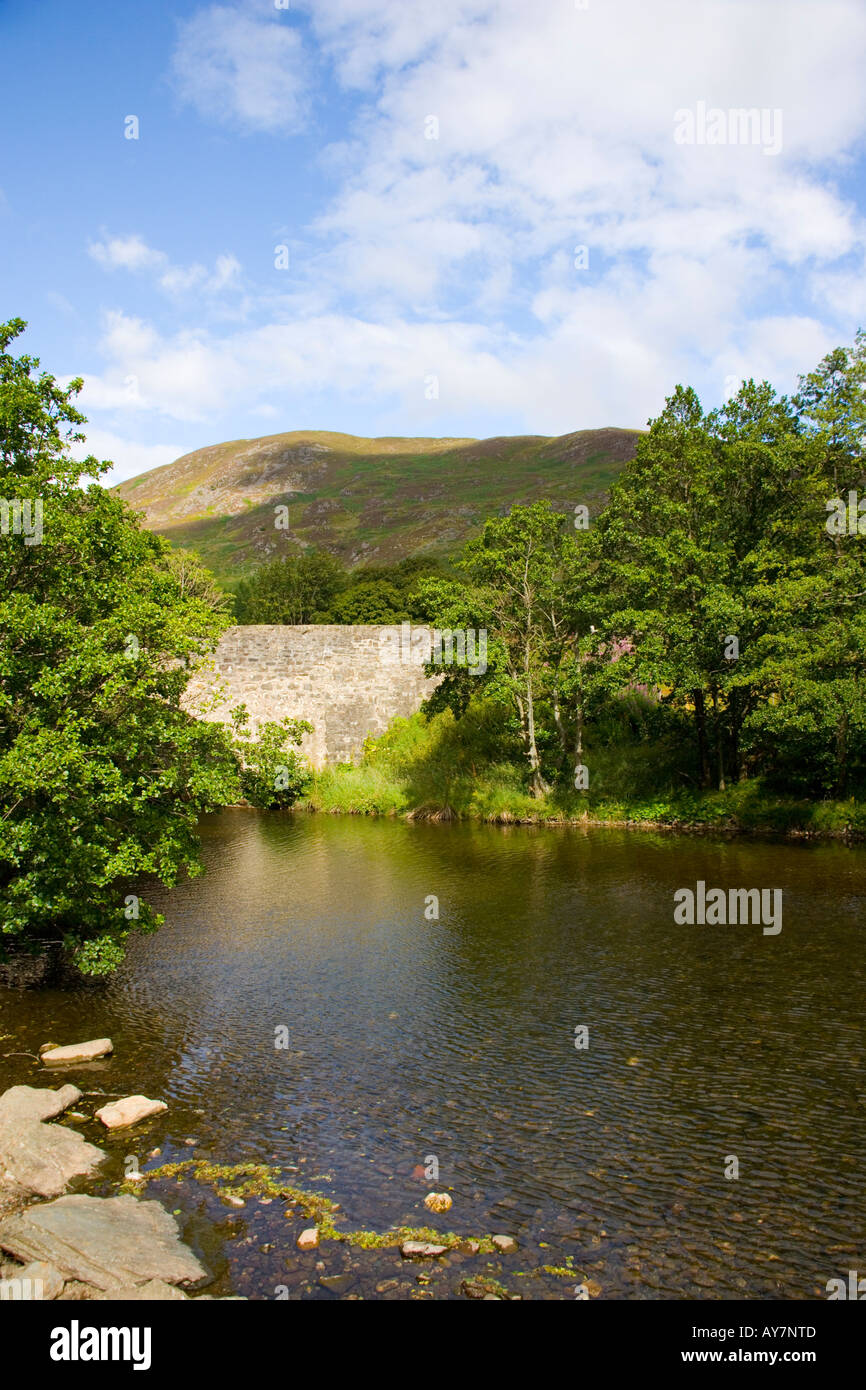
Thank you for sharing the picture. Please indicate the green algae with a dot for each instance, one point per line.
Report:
(245, 1180)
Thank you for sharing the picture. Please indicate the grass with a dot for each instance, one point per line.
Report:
(440, 769)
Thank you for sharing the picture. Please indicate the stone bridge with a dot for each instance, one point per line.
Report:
(349, 682)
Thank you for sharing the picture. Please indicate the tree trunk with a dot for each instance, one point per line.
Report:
(537, 784)
(842, 755)
(701, 726)
(719, 750)
(560, 726)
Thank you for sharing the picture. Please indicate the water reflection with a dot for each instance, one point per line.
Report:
(455, 1037)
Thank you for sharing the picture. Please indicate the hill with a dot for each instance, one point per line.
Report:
(365, 500)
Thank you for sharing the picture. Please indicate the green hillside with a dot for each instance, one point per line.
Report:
(364, 500)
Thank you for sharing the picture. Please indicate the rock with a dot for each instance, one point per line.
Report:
(337, 1283)
(109, 1242)
(76, 1292)
(309, 1239)
(32, 1103)
(421, 1250)
(154, 1291)
(438, 1201)
(37, 1281)
(129, 1111)
(506, 1245)
(77, 1052)
(234, 1201)
(470, 1247)
(38, 1159)
(473, 1288)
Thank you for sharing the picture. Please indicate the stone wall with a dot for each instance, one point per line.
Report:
(349, 682)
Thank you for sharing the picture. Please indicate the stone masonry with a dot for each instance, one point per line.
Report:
(349, 682)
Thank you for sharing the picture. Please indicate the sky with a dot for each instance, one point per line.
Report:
(397, 217)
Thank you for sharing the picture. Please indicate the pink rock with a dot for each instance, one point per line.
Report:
(129, 1111)
(77, 1052)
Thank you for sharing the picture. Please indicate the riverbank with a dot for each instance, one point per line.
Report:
(419, 770)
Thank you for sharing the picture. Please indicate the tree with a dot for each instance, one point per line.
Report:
(272, 774)
(516, 591)
(831, 402)
(294, 589)
(371, 601)
(103, 775)
(659, 562)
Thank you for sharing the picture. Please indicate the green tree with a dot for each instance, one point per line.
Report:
(294, 589)
(516, 590)
(370, 601)
(272, 774)
(102, 774)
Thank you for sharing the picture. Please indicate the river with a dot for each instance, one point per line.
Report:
(415, 1040)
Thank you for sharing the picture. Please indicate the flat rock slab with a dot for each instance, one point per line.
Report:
(29, 1103)
(36, 1281)
(128, 1111)
(36, 1158)
(110, 1242)
(77, 1052)
(154, 1291)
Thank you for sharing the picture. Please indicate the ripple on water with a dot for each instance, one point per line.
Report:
(455, 1039)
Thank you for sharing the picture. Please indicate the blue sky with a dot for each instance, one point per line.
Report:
(432, 171)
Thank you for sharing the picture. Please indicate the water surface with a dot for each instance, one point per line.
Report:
(455, 1038)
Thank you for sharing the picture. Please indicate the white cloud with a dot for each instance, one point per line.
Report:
(132, 253)
(242, 65)
(129, 457)
(127, 253)
(454, 256)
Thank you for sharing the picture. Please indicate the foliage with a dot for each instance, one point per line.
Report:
(314, 588)
(272, 774)
(103, 775)
(294, 589)
(713, 586)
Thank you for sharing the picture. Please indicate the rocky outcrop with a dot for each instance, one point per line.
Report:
(110, 1243)
(38, 1159)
